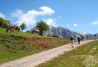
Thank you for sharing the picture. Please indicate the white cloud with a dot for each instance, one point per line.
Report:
(2, 15)
(50, 22)
(75, 25)
(29, 17)
(46, 10)
(94, 23)
(18, 14)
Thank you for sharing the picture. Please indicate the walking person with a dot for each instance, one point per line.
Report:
(78, 38)
(72, 41)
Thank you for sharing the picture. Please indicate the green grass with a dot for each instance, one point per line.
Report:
(23, 34)
(76, 57)
(12, 48)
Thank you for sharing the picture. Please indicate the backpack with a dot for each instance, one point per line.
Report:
(71, 38)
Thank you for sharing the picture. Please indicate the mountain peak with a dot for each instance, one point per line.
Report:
(83, 33)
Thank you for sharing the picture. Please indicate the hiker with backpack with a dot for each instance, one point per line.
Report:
(72, 41)
(78, 39)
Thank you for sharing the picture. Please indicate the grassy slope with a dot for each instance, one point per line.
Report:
(75, 57)
(16, 47)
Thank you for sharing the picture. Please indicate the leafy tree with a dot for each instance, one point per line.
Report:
(23, 26)
(42, 26)
(4, 23)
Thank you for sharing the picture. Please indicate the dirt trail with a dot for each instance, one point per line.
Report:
(33, 60)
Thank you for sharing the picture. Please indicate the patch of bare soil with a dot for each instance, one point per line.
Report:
(45, 42)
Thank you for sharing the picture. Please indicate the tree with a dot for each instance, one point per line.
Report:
(23, 26)
(42, 26)
(4, 23)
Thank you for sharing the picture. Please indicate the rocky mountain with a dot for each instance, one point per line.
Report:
(83, 33)
(62, 32)
(66, 33)
(89, 36)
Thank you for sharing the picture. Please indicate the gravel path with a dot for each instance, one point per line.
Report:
(33, 60)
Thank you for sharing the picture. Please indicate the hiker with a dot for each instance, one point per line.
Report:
(78, 38)
(82, 38)
(72, 41)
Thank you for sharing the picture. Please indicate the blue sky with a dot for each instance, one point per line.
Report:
(76, 15)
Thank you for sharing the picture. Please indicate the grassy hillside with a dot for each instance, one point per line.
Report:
(85, 54)
(19, 44)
